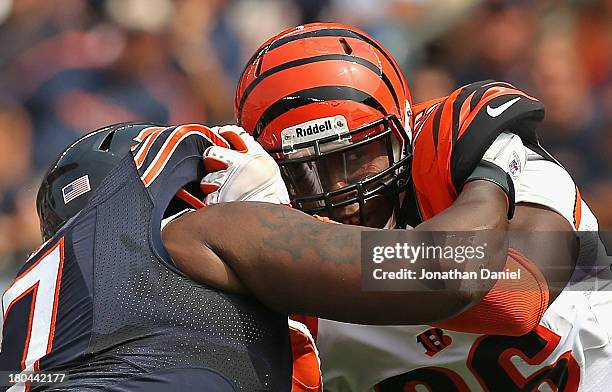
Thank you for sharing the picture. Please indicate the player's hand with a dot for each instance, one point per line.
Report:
(245, 172)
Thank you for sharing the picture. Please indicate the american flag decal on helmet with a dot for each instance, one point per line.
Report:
(76, 188)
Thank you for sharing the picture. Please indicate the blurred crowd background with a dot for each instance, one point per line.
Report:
(71, 66)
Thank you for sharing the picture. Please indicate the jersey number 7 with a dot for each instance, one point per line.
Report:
(31, 302)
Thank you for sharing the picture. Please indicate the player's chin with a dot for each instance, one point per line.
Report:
(377, 212)
(348, 215)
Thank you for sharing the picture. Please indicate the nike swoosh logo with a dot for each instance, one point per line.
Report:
(494, 112)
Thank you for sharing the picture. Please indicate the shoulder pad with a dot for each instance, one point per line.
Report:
(472, 117)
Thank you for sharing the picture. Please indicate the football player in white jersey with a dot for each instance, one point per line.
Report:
(567, 350)
(331, 105)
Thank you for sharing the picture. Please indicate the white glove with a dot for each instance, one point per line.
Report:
(244, 173)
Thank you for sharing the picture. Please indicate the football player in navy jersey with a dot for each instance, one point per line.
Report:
(117, 306)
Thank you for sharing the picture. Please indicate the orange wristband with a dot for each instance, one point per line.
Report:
(512, 307)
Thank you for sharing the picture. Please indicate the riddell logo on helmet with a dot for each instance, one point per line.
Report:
(313, 129)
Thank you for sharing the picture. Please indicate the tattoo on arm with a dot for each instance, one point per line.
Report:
(304, 238)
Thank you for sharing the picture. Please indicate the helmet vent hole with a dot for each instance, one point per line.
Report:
(105, 145)
(258, 69)
(345, 46)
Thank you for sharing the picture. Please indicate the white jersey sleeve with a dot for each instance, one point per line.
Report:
(548, 184)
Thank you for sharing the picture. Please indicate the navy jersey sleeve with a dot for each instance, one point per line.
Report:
(168, 159)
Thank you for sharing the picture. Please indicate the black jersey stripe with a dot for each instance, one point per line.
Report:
(480, 91)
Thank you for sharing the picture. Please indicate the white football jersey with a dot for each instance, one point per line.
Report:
(569, 351)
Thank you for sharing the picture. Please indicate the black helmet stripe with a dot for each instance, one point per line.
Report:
(313, 95)
(327, 57)
(340, 33)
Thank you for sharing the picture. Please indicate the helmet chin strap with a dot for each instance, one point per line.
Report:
(391, 222)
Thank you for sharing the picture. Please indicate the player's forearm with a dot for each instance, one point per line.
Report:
(481, 205)
(294, 263)
(478, 216)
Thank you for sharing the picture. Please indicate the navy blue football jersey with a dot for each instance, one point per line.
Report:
(103, 302)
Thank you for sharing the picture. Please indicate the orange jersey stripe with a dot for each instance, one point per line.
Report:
(30, 268)
(144, 151)
(190, 199)
(465, 107)
(422, 119)
(34, 291)
(145, 133)
(577, 209)
(491, 93)
(175, 138)
(58, 283)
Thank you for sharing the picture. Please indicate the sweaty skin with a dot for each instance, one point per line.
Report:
(294, 263)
